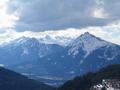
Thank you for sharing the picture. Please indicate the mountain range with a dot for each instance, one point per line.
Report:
(54, 64)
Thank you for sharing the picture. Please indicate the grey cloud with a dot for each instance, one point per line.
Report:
(112, 7)
(40, 15)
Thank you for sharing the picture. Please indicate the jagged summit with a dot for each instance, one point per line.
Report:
(86, 33)
(87, 36)
(87, 42)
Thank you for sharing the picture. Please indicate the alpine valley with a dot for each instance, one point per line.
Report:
(54, 63)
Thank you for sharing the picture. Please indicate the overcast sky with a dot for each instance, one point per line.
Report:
(54, 15)
(41, 15)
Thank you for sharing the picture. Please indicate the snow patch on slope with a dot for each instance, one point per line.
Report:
(25, 51)
(107, 84)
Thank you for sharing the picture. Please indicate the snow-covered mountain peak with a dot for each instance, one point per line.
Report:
(86, 42)
(86, 36)
(25, 39)
(22, 39)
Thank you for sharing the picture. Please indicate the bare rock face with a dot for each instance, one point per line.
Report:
(107, 84)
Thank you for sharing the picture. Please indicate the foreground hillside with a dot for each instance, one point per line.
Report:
(10, 80)
(87, 81)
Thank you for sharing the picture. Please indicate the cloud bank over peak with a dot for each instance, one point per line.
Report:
(109, 33)
(39, 15)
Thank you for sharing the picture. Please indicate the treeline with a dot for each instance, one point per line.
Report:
(86, 81)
